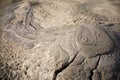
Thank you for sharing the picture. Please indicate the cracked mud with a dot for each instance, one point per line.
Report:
(60, 40)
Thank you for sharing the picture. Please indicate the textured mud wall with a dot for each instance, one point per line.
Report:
(60, 40)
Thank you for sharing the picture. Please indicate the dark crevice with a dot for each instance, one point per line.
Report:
(91, 72)
(63, 68)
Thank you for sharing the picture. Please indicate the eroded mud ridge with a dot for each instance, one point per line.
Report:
(60, 40)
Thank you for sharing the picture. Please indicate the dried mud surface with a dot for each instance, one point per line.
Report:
(60, 40)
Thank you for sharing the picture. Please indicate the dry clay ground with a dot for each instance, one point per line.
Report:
(60, 40)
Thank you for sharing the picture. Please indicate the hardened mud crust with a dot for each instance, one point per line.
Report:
(60, 40)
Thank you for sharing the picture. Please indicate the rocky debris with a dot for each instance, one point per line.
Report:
(60, 40)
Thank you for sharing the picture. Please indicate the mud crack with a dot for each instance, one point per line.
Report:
(91, 72)
(63, 67)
